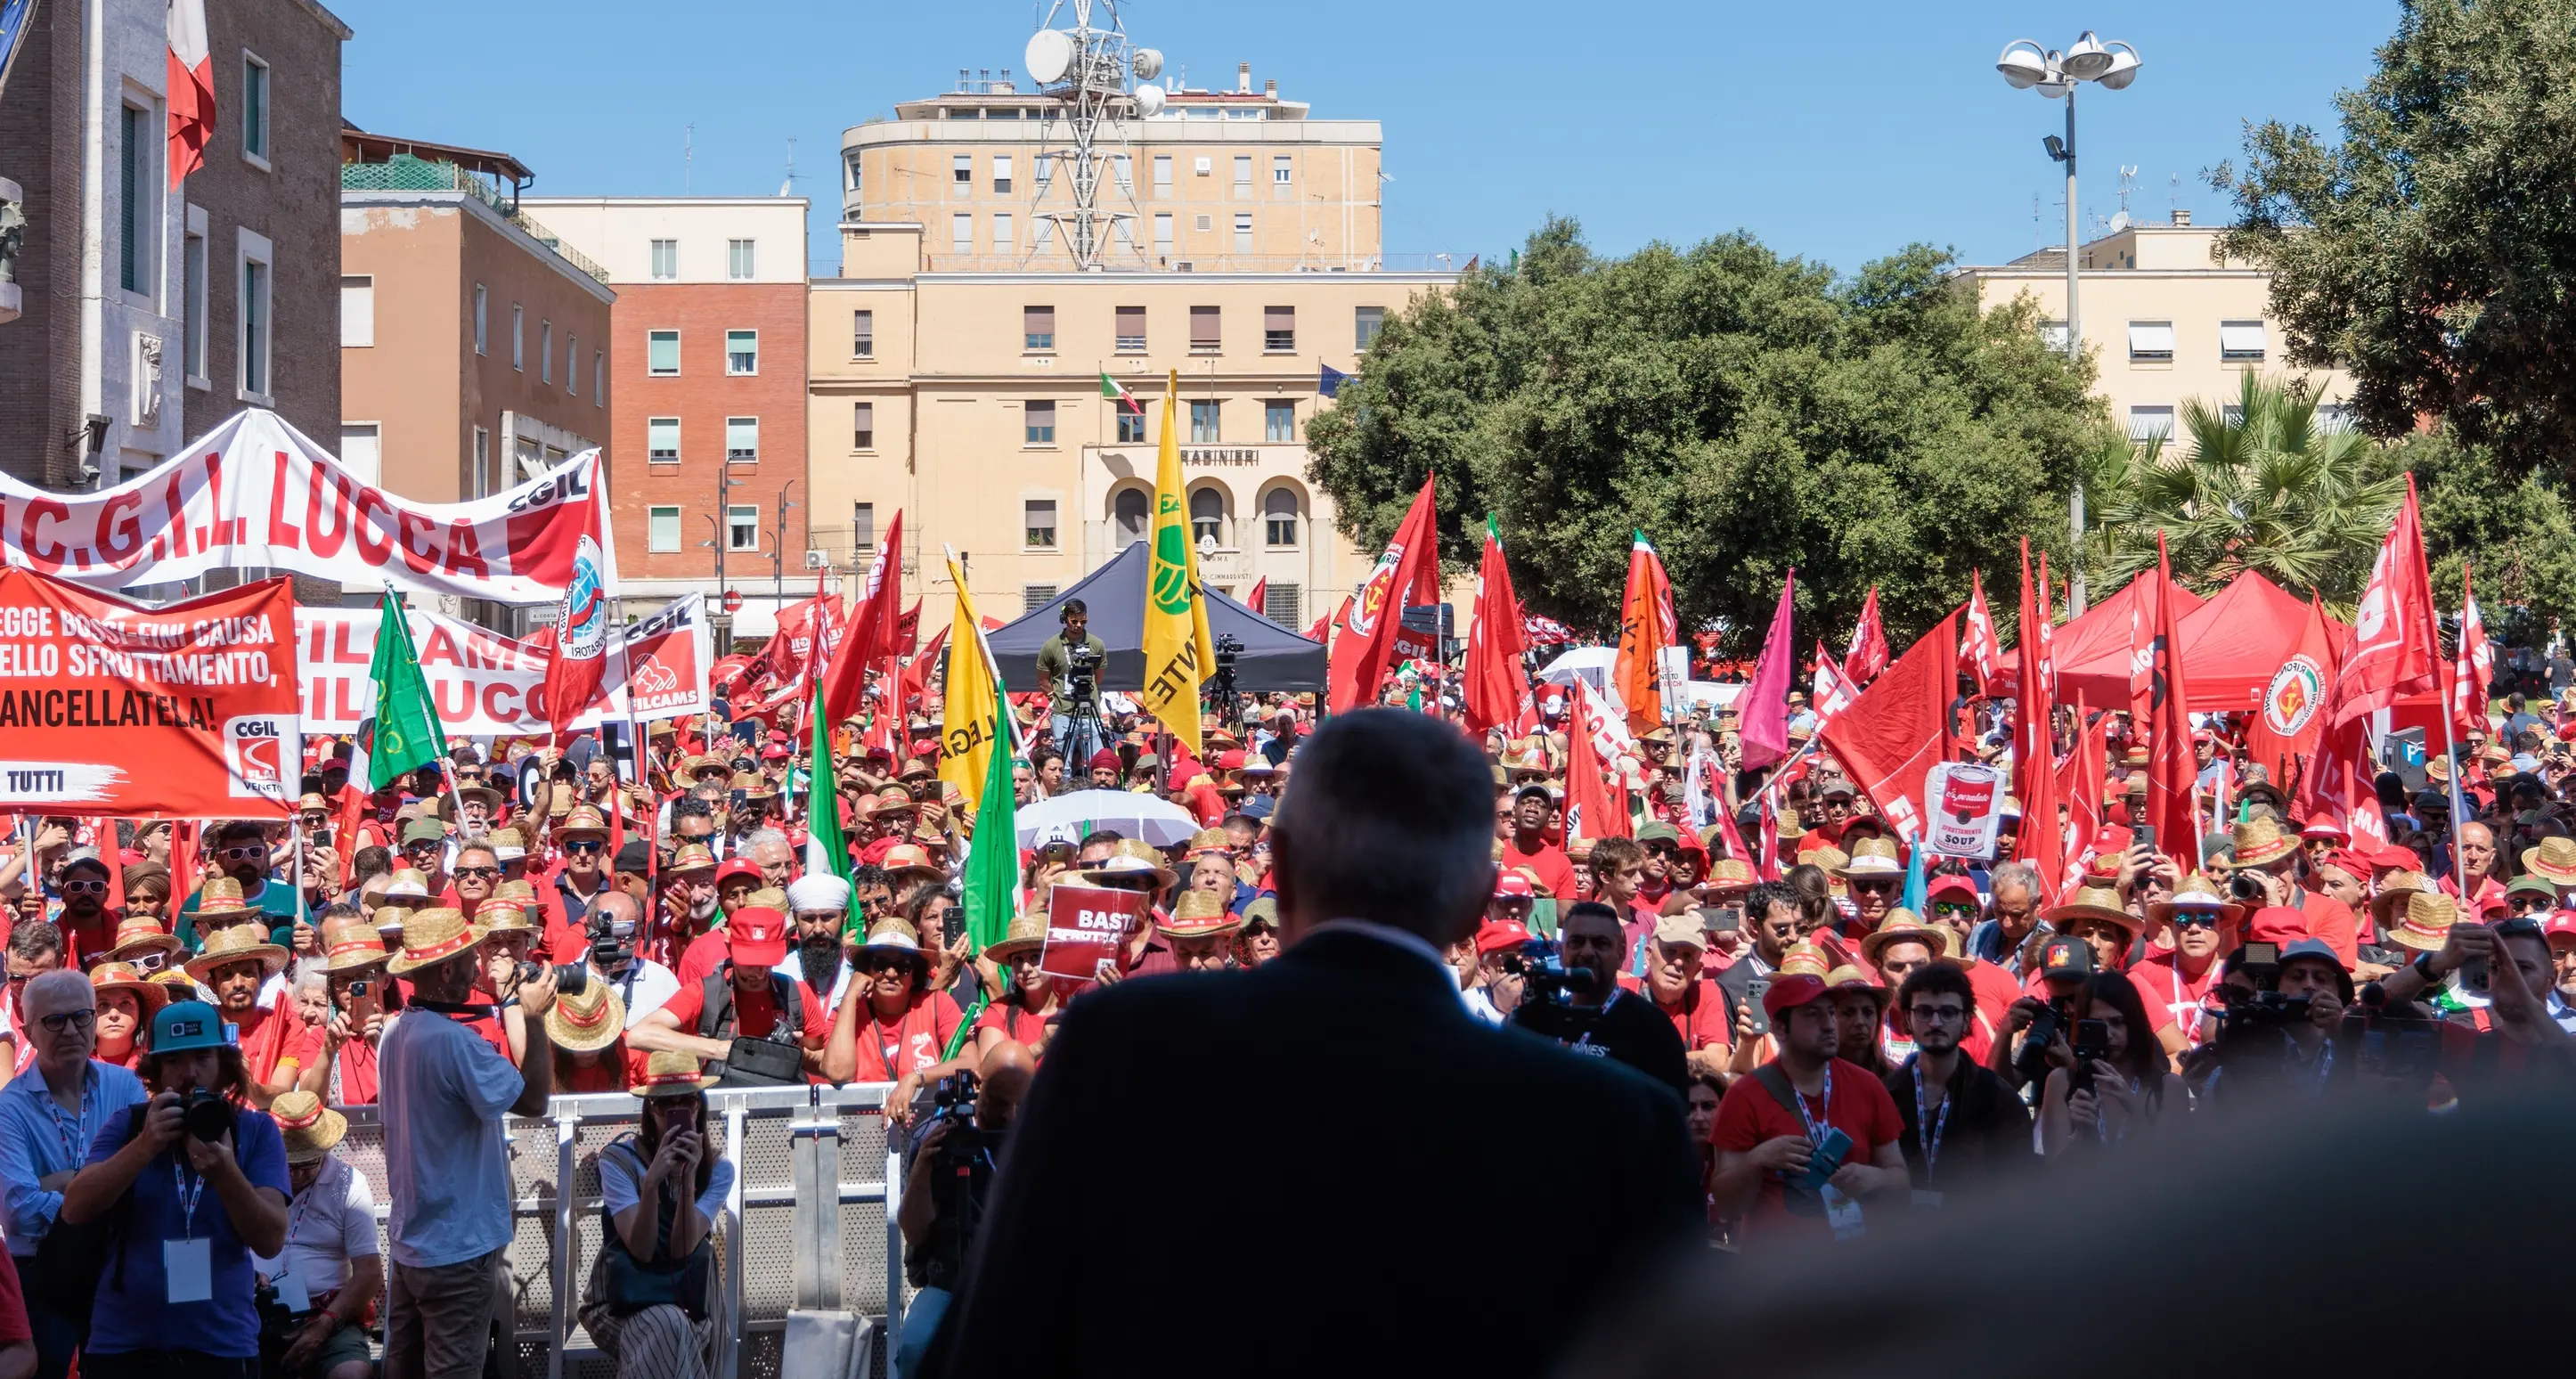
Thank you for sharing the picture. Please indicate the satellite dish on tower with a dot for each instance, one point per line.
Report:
(1149, 100)
(1148, 63)
(1049, 55)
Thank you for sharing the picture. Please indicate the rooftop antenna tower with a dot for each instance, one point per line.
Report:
(688, 155)
(1086, 65)
(788, 187)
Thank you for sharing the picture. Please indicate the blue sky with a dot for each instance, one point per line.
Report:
(1837, 130)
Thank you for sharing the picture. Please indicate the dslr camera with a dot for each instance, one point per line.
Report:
(571, 978)
(612, 941)
(1545, 979)
(2032, 1062)
(952, 1100)
(207, 1115)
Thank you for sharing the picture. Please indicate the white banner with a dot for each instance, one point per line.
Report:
(255, 493)
(485, 684)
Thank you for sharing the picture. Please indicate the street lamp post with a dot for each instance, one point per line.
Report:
(778, 552)
(2028, 66)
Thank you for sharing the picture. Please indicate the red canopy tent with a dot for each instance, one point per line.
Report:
(2232, 646)
(2092, 651)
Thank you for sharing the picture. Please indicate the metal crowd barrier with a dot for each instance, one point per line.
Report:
(809, 1225)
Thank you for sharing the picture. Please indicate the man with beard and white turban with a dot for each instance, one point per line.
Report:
(820, 903)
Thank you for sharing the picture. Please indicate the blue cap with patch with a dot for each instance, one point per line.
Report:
(184, 1025)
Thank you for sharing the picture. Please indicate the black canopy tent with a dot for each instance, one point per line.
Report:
(1273, 658)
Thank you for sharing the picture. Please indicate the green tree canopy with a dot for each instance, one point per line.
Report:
(2433, 252)
(2517, 532)
(1747, 412)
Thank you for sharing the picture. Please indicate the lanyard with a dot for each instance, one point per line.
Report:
(75, 1143)
(1929, 1128)
(2186, 1015)
(188, 1195)
(1815, 1132)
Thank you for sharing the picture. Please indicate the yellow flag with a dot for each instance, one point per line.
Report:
(1179, 653)
(966, 727)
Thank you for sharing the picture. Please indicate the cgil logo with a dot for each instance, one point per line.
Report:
(256, 756)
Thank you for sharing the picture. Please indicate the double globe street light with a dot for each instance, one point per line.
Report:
(2030, 67)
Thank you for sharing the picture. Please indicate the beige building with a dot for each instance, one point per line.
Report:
(972, 402)
(1217, 181)
(2165, 321)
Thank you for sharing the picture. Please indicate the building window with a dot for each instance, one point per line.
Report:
(863, 526)
(742, 440)
(961, 174)
(1001, 174)
(1163, 175)
(2151, 423)
(666, 260)
(480, 481)
(1034, 597)
(572, 365)
(1278, 420)
(1037, 328)
(662, 440)
(1243, 233)
(1207, 517)
(1038, 522)
(863, 426)
(1131, 330)
(545, 351)
(742, 352)
(742, 528)
(2241, 342)
(138, 204)
(740, 264)
(1046, 175)
(1129, 512)
(1039, 423)
(1366, 322)
(1284, 605)
(1131, 428)
(1205, 329)
(850, 170)
(1279, 328)
(1279, 170)
(254, 117)
(1202, 223)
(518, 337)
(662, 353)
(192, 288)
(1243, 176)
(662, 531)
(2151, 342)
(599, 378)
(1279, 517)
(961, 233)
(1200, 165)
(1203, 419)
(1163, 233)
(253, 311)
(1125, 171)
(2334, 418)
(362, 451)
(863, 335)
(1002, 234)
(479, 334)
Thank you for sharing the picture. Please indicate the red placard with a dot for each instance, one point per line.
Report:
(1084, 927)
(107, 708)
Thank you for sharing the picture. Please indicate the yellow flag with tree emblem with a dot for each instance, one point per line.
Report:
(966, 736)
(1179, 653)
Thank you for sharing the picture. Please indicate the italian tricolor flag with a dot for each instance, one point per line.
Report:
(1111, 389)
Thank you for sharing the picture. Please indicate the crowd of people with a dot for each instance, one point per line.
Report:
(1853, 1028)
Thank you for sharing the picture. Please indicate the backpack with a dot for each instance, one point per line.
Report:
(775, 1061)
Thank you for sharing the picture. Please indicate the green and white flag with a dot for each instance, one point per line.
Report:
(1115, 391)
(407, 734)
(827, 853)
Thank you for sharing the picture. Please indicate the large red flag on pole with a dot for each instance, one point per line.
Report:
(1977, 644)
(1497, 681)
(1646, 627)
(2391, 650)
(589, 657)
(1762, 711)
(2083, 779)
(2042, 841)
(871, 633)
(1365, 640)
(1899, 728)
(2281, 734)
(1592, 810)
(2171, 769)
(2474, 671)
(1867, 654)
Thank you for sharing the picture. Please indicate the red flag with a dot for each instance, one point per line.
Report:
(1767, 817)
(1324, 625)
(1829, 693)
(872, 632)
(2082, 781)
(1867, 654)
(1592, 810)
(1259, 599)
(2047, 633)
(2143, 621)
(184, 880)
(2475, 668)
(1978, 647)
(1646, 627)
(1367, 628)
(907, 630)
(1762, 711)
(1496, 679)
(352, 811)
(2391, 650)
(1899, 728)
(2171, 769)
(2042, 841)
(590, 649)
(916, 675)
(2281, 734)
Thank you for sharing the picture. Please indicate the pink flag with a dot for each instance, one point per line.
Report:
(1762, 713)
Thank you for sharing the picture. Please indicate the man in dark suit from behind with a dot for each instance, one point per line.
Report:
(1333, 1127)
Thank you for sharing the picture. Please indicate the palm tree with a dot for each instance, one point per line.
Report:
(2262, 487)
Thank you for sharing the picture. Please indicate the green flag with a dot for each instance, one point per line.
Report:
(826, 851)
(992, 892)
(407, 735)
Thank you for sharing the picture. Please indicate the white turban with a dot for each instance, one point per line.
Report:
(818, 891)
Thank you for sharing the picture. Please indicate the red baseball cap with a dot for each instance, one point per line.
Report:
(1493, 936)
(1944, 887)
(2277, 924)
(738, 866)
(2323, 826)
(2393, 856)
(1789, 993)
(2562, 923)
(756, 936)
(1511, 885)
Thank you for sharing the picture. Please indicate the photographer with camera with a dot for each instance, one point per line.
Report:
(175, 1297)
(2113, 1077)
(753, 1022)
(1576, 1000)
(1772, 916)
(1069, 666)
(648, 1299)
(948, 1183)
(610, 930)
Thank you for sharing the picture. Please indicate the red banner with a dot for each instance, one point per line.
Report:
(110, 709)
(1084, 927)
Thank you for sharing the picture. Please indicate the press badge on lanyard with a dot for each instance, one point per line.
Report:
(1841, 1211)
(188, 1264)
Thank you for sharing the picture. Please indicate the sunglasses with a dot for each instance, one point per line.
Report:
(882, 966)
(585, 846)
(241, 854)
(1954, 910)
(484, 873)
(1941, 1014)
(148, 962)
(425, 845)
(2194, 919)
(84, 887)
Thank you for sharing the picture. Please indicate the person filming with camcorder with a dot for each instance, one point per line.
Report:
(194, 1184)
(1573, 996)
(945, 1189)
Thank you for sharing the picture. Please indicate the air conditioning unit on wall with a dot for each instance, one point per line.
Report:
(818, 560)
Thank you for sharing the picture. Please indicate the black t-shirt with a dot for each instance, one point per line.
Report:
(1629, 1029)
(1985, 1129)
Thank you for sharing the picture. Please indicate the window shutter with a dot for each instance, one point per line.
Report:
(1203, 326)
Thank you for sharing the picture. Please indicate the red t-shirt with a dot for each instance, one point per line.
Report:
(2333, 921)
(1549, 864)
(917, 1041)
(2172, 997)
(1701, 1018)
(755, 1013)
(277, 1044)
(705, 954)
(616, 1069)
(13, 1309)
(1859, 1104)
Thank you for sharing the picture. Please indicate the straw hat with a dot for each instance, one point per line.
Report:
(2196, 892)
(2092, 902)
(2428, 921)
(1027, 935)
(117, 976)
(1199, 914)
(1208, 840)
(1803, 957)
(508, 845)
(407, 884)
(907, 859)
(1901, 925)
(667, 1073)
(221, 898)
(140, 934)
(894, 934)
(690, 857)
(2393, 890)
(1729, 875)
(2554, 861)
(588, 1020)
(1871, 859)
(182, 986)
(1850, 978)
(239, 943)
(350, 943)
(1131, 858)
(308, 1127)
(2260, 841)
(582, 822)
(433, 936)
(507, 910)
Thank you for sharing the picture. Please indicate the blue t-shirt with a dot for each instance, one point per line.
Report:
(133, 1310)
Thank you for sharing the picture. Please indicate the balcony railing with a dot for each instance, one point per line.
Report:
(407, 173)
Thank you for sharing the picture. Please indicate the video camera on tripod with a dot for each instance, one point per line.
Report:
(1222, 698)
(1082, 675)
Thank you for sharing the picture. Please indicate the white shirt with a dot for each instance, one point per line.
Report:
(1482, 1006)
(444, 1091)
(327, 1225)
(647, 987)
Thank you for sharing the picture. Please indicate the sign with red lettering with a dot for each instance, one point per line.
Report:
(1084, 927)
(254, 493)
(1966, 799)
(484, 684)
(107, 708)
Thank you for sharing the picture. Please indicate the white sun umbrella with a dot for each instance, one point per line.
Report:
(1071, 818)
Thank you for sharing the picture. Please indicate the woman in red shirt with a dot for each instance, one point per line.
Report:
(125, 1002)
(1026, 1012)
(902, 1027)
